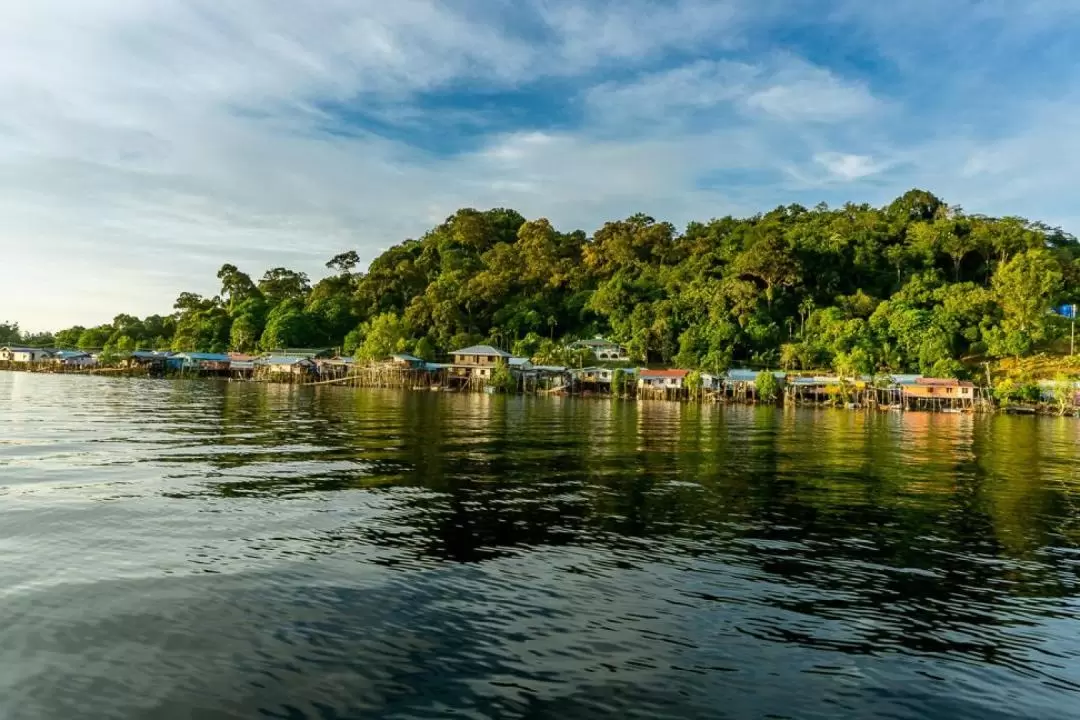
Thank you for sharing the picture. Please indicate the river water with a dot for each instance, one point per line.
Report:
(201, 550)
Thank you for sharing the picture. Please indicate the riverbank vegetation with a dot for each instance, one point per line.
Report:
(914, 286)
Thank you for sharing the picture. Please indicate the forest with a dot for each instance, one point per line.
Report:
(915, 286)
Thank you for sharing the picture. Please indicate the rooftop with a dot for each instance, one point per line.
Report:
(664, 373)
(943, 382)
(595, 342)
(482, 350)
(207, 357)
(285, 360)
(19, 348)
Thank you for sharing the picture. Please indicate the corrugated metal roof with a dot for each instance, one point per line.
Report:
(550, 368)
(407, 358)
(285, 360)
(595, 342)
(664, 373)
(748, 375)
(942, 382)
(485, 350)
(205, 357)
(21, 349)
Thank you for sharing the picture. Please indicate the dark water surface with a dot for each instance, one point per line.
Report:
(199, 550)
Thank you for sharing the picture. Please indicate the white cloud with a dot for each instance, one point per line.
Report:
(848, 166)
(143, 144)
(798, 91)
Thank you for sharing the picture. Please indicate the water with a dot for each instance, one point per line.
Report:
(201, 550)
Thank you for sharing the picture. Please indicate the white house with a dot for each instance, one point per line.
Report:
(666, 379)
(603, 350)
(24, 355)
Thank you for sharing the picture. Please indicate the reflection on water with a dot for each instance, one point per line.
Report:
(173, 549)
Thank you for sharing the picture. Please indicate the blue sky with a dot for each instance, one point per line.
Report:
(145, 143)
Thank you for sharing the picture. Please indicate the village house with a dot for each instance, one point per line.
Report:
(73, 358)
(15, 354)
(662, 379)
(603, 350)
(210, 363)
(593, 375)
(154, 361)
(287, 364)
(406, 361)
(478, 361)
(940, 390)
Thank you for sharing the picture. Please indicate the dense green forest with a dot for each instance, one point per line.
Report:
(914, 286)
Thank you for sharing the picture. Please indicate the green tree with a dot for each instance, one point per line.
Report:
(1026, 287)
(288, 325)
(385, 335)
(502, 379)
(766, 387)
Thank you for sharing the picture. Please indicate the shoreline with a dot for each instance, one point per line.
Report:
(983, 406)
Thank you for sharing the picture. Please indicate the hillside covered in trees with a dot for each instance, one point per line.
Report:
(913, 286)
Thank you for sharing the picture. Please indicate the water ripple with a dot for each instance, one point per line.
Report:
(191, 549)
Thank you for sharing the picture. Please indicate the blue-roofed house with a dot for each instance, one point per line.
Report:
(73, 358)
(202, 362)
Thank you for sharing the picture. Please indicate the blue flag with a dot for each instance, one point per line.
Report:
(1068, 311)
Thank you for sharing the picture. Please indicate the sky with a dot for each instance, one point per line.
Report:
(144, 143)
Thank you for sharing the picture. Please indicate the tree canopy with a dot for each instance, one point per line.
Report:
(916, 285)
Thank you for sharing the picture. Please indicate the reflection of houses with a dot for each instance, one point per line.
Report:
(603, 350)
(23, 355)
(939, 392)
(662, 379)
(477, 361)
(73, 358)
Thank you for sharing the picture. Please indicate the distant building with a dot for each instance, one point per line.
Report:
(478, 361)
(603, 350)
(287, 364)
(73, 358)
(662, 379)
(15, 354)
(946, 389)
(204, 362)
(406, 361)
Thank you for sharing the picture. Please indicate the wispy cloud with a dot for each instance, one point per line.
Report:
(144, 144)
